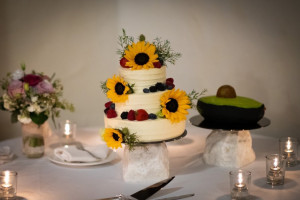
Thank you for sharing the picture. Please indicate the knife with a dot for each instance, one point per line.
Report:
(144, 193)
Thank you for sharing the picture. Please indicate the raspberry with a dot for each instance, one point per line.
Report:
(160, 86)
(170, 80)
(152, 116)
(146, 90)
(142, 115)
(131, 115)
(124, 115)
(107, 104)
(123, 62)
(157, 65)
(153, 89)
(111, 113)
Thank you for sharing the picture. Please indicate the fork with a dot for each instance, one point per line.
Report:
(81, 147)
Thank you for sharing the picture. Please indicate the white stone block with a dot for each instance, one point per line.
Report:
(147, 163)
(229, 148)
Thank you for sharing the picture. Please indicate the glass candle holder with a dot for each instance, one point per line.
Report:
(288, 147)
(68, 130)
(8, 184)
(239, 184)
(275, 169)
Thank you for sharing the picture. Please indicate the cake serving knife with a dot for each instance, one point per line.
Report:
(144, 193)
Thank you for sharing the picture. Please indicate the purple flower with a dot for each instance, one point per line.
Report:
(44, 87)
(15, 88)
(32, 79)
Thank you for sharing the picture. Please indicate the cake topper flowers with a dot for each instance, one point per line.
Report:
(32, 97)
(117, 89)
(143, 54)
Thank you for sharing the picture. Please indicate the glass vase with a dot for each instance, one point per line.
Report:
(33, 138)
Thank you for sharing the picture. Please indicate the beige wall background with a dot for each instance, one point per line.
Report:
(251, 45)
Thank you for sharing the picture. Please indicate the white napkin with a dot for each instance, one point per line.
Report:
(6, 154)
(71, 153)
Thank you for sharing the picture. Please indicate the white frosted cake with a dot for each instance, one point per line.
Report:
(142, 100)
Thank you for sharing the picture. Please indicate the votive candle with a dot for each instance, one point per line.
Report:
(275, 169)
(8, 184)
(288, 147)
(239, 184)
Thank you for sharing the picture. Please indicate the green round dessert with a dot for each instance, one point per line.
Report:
(227, 108)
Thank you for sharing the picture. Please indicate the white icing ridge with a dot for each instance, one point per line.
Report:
(147, 101)
(143, 78)
(148, 130)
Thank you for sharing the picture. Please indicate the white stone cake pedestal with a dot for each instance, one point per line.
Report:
(229, 148)
(146, 163)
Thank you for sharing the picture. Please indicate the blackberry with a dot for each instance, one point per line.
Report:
(160, 86)
(106, 109)
(153, 89)
(146, 90)
(170, 87)
(152, 116)
(124, 115)
(112, 106)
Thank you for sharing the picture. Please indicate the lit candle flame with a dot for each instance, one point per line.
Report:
(288, 145)
(6, 179)
(67, 128)
(275, 162)
(240, 178)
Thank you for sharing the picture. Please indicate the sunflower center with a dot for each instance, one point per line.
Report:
(141, 59)
(116, 137)
(119, 88)
(172, 105)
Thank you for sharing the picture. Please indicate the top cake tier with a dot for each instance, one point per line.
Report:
(143, 78)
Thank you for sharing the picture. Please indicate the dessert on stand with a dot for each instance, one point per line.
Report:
(144, 109)
(231, 118)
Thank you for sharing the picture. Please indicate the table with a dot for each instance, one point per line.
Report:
(40, 179)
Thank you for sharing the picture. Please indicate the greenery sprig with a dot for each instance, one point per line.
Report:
(165, 52)
(131, 139)
(124, 42)
(194, 96)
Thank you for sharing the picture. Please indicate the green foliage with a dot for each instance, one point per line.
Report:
(124, 42)
(104, 87)
(130, 139)
(164, 51)
(194, 96)
(38, 119)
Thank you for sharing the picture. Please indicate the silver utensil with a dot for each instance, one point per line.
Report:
(177, 197)
(144, 193)
(81, 147)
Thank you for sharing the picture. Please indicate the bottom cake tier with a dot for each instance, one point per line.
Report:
(148, 130)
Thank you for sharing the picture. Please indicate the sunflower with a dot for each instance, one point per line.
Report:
(141, 55)
(174, 105)
(112, 137)
(117, 89)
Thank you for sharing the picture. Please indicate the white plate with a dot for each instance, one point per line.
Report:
(110, 157)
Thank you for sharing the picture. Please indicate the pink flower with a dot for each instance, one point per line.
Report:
(44, 87)
(32, 79)
(15, 88)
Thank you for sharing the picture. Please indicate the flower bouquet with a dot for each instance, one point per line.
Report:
(32, 98)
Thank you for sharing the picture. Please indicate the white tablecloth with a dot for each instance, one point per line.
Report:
(40, 179)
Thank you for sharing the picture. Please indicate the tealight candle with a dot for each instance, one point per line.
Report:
(288, 148)
(69, 130)
(8, 184)
(239, 184)
(275, 169)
